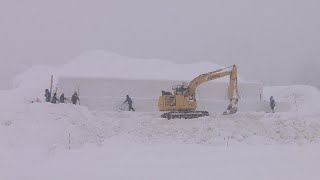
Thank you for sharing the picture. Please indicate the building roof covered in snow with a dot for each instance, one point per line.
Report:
(102, 64)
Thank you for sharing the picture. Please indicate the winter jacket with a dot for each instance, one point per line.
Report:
(75, 98)
(62, 98)
(48, 96)
(54, 99)
(272, 103)
(129, 100)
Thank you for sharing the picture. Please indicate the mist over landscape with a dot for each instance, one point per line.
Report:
(100, 89)
(276, 42)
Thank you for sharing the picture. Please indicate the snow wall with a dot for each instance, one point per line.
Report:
(109, 93)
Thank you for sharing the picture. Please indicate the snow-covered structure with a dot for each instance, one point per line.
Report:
(104, 79)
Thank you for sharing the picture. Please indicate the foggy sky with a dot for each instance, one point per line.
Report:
(273, 41)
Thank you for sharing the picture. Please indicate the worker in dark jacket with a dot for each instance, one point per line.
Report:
(47, 95)
(75, 98)
(54, 98)
(272, 104)
(62, 98)
(129, 101)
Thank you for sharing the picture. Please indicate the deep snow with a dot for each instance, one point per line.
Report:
(125, 160)
(34, 140)
(63, 141)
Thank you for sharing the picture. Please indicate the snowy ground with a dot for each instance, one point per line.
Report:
(49, 125)
(119, 159)
(47, 141)
(62, 141)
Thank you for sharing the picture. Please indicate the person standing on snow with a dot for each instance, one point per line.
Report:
(272, 104)
(62, 98)
(75, 98)
(54, 98)
(47, 95)
(129, 101)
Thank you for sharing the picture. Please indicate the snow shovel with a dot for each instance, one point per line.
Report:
(120, 108)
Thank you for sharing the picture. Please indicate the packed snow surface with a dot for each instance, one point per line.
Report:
(124, 160)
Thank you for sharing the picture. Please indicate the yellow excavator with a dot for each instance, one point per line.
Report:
(182, 102)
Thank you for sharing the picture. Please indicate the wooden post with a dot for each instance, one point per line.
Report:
(69, 141)
(228, 141)
(79, 93)
(295, 102)
(51, 82)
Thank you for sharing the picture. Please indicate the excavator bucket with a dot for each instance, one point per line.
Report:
(230, 111)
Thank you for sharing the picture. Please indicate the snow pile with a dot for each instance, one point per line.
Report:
(34, 77)
(30, 85)
(39, 125)
(109, 65)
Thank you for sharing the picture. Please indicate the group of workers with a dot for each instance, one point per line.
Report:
(54, 99)
(75, 98)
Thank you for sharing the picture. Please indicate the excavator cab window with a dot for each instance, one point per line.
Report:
(180, 90)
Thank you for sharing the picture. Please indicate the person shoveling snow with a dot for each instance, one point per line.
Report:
(272, 104)
(75, 98)
(129, 101)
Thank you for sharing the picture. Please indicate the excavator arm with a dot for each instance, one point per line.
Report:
(233, 86)
(215, 75)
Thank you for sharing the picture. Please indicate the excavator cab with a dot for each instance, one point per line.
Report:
(180, 90)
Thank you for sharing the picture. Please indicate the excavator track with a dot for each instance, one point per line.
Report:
(184, 114)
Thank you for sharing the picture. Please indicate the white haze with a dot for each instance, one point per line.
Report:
(275, 41)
